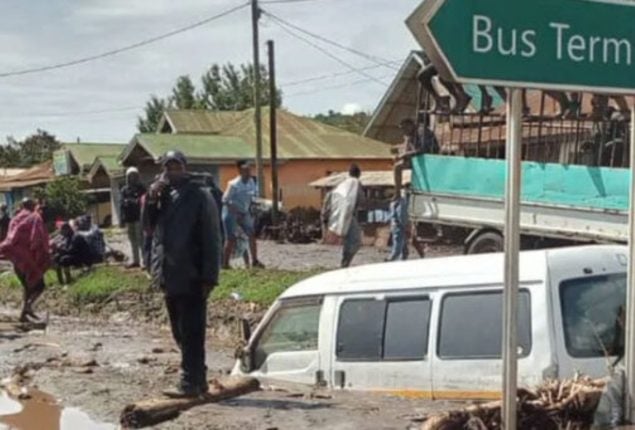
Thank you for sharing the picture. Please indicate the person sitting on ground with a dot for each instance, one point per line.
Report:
(5, 219)
(237, 203)
(27, 247)
(71, 250)
(93, 236)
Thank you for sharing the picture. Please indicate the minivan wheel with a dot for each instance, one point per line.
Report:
(486, 242)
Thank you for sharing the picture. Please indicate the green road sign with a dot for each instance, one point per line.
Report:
(547, 44)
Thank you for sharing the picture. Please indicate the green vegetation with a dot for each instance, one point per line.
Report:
(258, 286)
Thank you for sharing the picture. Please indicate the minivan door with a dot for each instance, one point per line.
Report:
(467, 360)
(381, 344)
(287, 347)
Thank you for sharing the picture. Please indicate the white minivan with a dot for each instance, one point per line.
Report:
(432, 328)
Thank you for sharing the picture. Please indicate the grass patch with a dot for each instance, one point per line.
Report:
(259, 286)
(103, 282)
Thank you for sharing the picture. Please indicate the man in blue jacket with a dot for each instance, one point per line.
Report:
(185, 263)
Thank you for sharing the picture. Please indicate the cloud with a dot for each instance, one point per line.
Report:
(66, 29)
(351, 108)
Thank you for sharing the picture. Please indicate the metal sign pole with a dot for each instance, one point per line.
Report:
(629, 347)
(512, 248)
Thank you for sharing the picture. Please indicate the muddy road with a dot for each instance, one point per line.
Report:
(93, 368)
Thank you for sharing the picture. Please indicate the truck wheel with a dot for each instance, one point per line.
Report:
(486, 242)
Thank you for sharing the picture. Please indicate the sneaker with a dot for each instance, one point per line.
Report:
(257, 265)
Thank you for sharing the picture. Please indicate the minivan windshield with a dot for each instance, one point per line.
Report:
(592, 314)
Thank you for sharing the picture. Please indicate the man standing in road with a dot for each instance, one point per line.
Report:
(27, 247)
(239, 196)
(130, 212)
(185, 263)
(5, 219)
(340, 213)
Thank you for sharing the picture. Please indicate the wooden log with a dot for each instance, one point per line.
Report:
(153, 411)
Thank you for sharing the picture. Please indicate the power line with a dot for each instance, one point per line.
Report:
(374, 59)
(123, 48)
(284, 1)
(332, 75)
(332, 87)
(328, 54)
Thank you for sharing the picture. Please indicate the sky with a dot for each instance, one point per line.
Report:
(100, 101)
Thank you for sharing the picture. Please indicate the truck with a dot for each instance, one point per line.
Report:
(575, 176)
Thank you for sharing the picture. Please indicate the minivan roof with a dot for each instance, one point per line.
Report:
(464, 270)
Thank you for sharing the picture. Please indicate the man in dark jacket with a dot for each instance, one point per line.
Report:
(185, 263)
(71, 250)
(130, 213)
(5, 219)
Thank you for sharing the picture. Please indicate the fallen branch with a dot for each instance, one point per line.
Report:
(150, 412)
(555, 405)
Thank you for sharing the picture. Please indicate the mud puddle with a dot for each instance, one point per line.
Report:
(43, 412)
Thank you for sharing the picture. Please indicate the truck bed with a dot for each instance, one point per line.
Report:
(561, 201)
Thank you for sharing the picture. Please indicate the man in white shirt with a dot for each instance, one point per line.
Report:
(237, 200)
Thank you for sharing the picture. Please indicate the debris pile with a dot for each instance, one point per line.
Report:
(555, 405)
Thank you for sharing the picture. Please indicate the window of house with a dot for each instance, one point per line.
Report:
(592, 315)
(471, 325)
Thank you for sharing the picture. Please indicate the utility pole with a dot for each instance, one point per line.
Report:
(255, 17)
(273, 139)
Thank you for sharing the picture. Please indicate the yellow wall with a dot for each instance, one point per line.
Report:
(295, 176)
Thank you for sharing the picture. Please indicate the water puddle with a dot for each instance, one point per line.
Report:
(42, 412)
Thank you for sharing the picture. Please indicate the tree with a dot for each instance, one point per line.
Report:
(355, 123)
(64, 197)
(35, 149)
(184, 94)
(223, 88)
(229, 88)
(153, 111)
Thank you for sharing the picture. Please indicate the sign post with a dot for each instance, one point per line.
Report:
(512, 248)
(629, 345)
(561, 45)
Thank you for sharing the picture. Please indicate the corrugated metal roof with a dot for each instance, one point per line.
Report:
(192, 122)
(381, 178)
(195, 147)
(298, 137)
(399, 102)
(86, 153)
(39, 174)
(110, 165)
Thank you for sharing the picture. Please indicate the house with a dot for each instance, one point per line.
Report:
(102, 187)
(13, 188)
(214, 141)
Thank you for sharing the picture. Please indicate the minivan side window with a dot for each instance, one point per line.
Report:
(389, 330)
(293, 328)
(592, 312)
(471, 325)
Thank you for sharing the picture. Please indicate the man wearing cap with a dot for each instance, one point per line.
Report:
(130, 213)
(237, 200)
(185, 263)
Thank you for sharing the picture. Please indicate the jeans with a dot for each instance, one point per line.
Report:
(352, 243)
(399, 250)
(188, 318)
(135, 236)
